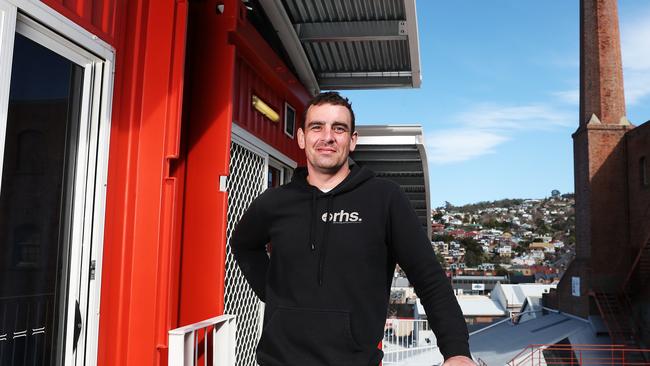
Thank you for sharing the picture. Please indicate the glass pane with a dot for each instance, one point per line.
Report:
(35, 201)
(273, 177)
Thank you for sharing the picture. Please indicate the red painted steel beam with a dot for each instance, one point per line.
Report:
(210, 76)
(140, 266)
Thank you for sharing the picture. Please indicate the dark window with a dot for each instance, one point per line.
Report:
(289, 120)
(274, 177)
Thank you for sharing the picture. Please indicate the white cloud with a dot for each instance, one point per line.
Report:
(568, 96)
(637, 86)
(523, 117)
(635, 43)
(635, 49)
(485, 126)
(450, 146)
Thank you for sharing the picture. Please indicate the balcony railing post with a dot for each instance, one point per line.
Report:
(580, 357)
(623, 355)
(184, 342)
(224, 335)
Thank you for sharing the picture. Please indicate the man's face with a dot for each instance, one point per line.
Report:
(327, 138)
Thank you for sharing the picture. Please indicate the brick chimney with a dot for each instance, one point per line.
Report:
(601, 70)
(600, 162)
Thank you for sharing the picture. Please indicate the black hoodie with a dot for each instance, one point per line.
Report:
(327, 281)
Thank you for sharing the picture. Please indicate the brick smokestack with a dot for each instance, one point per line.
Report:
(600, 164)
(601, 71)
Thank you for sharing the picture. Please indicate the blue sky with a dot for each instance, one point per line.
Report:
(499, 95)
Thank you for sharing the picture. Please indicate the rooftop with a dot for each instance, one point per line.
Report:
(499, 344)
(478, 305)
(354, 44)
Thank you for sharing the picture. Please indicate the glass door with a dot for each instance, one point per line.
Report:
(35, 206)
(48, 160)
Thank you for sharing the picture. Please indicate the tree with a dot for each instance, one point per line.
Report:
(473, 252)
(500, 271)
(441, 259)
(443, 237)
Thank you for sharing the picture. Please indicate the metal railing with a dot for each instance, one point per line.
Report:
(580, 354)
(27, 329)
(211, 341)
(409, 342)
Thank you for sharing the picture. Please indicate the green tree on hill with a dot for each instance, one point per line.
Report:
(473, 252)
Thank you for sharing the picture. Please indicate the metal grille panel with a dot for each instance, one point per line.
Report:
(246, 181)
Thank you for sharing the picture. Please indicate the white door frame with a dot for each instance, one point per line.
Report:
(36, 20)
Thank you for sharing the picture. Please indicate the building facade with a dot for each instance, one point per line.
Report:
(609, 276)
(132, 136)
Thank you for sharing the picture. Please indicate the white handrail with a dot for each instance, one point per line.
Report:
(409, 342)
(184, 345)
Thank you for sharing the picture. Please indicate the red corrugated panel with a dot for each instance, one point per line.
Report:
(141, 257)
(260, 71)
(96, 16)
(249, 83)
(208, 108)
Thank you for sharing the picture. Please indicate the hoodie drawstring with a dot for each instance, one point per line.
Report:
(312, 223)
(329, 218)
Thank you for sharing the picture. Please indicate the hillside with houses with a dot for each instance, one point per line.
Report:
(529, 239)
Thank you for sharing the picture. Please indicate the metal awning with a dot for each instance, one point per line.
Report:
(397, 152)
(349, 44)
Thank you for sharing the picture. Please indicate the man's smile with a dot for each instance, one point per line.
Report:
(325, 149)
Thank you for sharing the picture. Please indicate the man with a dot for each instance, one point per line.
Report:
(337, 232)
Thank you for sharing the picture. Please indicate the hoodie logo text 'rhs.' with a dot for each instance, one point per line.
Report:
(342, 217)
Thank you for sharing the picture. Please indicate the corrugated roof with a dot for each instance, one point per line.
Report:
(397, 152)
(349, 44)
(317, 11)
(516, 293)
(499, 344)
(479, 305)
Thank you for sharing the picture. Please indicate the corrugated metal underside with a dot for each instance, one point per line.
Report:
(401, 164)
(354, 43)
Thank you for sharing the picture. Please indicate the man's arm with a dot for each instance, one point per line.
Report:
(248, 244)
(416, 257)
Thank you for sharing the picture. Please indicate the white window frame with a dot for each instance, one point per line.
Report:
(288, 106)
(36, 20)
(256, 144)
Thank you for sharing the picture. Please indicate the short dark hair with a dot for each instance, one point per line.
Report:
(333, 98)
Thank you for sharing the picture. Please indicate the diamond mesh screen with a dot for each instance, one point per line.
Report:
(246, 181)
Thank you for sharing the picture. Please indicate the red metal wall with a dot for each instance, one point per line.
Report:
(249, 82)
(164, 245)
(221, 79)
(140, 266)
(96, 16)
(209, 115)
(260, 71)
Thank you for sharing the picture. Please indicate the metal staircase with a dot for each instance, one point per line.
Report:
(640, 267)
(615, 307)
(615, 310)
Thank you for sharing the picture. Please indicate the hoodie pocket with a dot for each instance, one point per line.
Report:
(296, 336)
